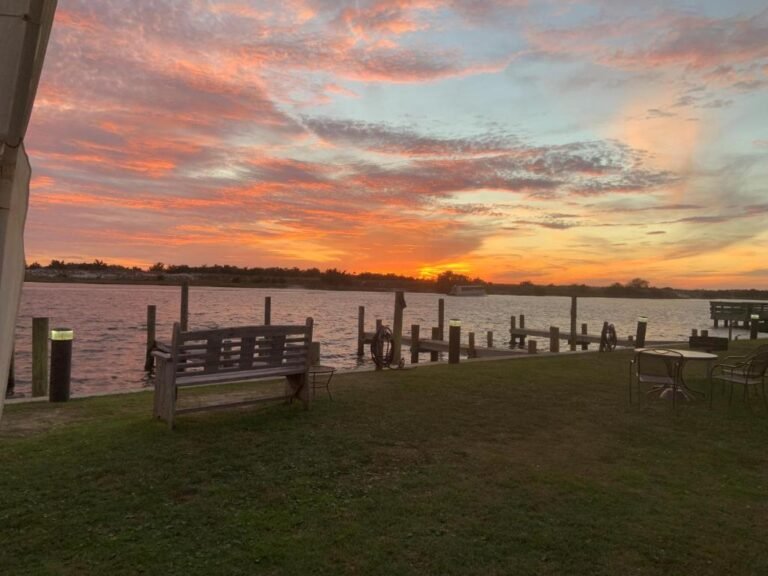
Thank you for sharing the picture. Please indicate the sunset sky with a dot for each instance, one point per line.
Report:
(543, 140)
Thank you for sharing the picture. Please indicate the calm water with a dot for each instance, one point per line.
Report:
(110, 321)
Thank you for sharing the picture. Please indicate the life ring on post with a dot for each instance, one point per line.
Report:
(382, 349)
(608, 338)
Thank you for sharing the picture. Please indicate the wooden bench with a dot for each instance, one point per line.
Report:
(228, 355)
(708, 343)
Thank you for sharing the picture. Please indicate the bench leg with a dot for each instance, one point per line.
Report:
(169, 396)
(165, 392)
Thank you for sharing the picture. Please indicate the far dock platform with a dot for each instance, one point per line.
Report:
(732, 312)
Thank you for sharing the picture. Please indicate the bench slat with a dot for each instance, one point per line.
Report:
(240, 331)
(238, 376)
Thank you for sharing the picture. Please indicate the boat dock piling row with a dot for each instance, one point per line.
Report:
(517, 332)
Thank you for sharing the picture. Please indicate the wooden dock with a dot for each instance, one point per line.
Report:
(731, 312)
(582, 339)
(428, 345)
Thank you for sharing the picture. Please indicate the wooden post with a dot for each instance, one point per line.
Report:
(531, 346)
(267, 310)
(716, 324)
(584, 332)
(361, 330)
(512, 336)
(730, 329)
(454, 343)
(554, 339)
(755, 319)
(642, 324)
(489, 338)
(472, 351)
(522, 321)
(184, 315)
(39, 357)
(573, 324)
(435, 356)
(380, 350)
(314, 353)
(397, 329)
(415, 343)
(149, 361)
(441, 318)
(694, 332)
(705, 333)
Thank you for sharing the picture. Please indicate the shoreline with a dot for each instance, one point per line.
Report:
(559, 291)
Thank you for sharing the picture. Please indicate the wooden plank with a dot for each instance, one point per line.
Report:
(240, 331)
(239, 376)
(228, 405)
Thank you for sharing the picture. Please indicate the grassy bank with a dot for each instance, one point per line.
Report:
(534, 466)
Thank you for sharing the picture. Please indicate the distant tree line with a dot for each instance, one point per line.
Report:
(333, 278)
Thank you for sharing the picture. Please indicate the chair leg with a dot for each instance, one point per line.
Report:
(674, 395)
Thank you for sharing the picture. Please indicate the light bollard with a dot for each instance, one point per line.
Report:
(454, 341)
(642, 324)
(61, 364)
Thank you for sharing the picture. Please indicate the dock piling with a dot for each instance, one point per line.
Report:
(267, 310)
(642, 325)
(361, 330)
(531, 346)
(184, 312)
(554, 339)
(573, 324)
(584, 332)
(489, 338)
(39, 357)
(149, 362)
(397, 328)
(415, 329)
(454, 341)
(435, 356)
(441, 318)
(472, 353)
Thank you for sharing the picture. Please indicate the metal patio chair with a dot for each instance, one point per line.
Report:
(659, 368)
(745, 370)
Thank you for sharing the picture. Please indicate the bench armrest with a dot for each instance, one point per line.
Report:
(162, 355)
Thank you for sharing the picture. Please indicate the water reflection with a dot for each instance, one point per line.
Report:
(110, 321)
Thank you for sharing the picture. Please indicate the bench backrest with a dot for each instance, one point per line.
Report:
(241, 349)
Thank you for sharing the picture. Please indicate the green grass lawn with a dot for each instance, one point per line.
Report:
(533, 466)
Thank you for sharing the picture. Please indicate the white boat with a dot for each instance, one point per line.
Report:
(468, 291)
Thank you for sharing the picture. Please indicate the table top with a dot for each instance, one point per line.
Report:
(321, 368)
(686, 354)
